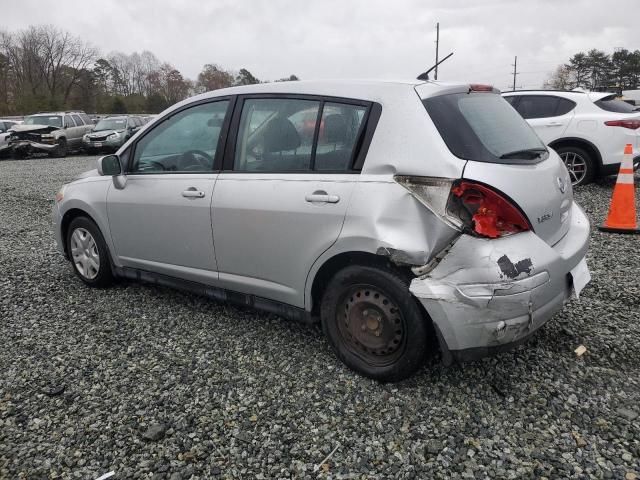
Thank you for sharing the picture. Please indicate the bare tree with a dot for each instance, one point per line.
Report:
(560, 79)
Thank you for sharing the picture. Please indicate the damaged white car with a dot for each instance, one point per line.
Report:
(406, 217)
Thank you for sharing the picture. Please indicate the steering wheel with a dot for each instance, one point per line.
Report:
(189, 160)
(149, 163)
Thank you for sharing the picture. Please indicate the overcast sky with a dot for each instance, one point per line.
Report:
(347, 39)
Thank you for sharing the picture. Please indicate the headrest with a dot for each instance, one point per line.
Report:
(335, 128)
(279, 135)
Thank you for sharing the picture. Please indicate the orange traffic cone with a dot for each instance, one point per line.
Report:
(622, 212)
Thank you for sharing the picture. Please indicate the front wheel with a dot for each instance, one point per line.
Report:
(581, 166)
(60, 151)
(89, 253)
(374, 324)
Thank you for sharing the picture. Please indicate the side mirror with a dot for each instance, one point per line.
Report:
(109, 165)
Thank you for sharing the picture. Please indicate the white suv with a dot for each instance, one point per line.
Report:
(588, 129)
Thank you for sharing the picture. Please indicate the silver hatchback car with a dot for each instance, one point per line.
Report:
(406, 217)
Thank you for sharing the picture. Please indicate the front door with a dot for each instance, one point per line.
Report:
(161, 219)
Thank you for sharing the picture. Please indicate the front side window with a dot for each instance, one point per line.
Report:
(68, 121)
(339, 132)
(276, 135)
(537, 106)
(185, 142)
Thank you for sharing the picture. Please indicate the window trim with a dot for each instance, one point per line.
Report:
(222, 139)
(360, 148)
(73, 115)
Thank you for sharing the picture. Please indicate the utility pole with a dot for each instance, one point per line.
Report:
(437, 45)
(515, 71)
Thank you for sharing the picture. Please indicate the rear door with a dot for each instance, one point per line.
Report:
(549, 115)
(282, 200)
(504, 153)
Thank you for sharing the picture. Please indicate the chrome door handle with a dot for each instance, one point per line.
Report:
(322, 197)
(554, 124)
(193, 193)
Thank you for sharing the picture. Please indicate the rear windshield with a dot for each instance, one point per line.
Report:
(484, 127)
(610, 104)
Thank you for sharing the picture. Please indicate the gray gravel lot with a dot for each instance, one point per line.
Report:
(153, 383)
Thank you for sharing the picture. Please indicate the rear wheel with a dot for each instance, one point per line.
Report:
(581, 166)
(374, 324)
(88, 253)
(61, 149)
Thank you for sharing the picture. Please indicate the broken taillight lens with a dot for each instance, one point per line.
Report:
(468, 206)
(484, 211)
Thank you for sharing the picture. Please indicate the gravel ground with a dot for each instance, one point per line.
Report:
(153, 383)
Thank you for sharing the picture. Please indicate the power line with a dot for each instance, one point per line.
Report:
(515, 72)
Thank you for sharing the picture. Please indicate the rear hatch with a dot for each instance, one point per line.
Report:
(503, 152)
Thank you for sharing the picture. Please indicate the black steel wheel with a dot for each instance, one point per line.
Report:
(374, 324)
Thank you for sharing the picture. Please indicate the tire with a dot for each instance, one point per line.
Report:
(61, 149)
(574, 158)
(91, 247)
(374, 325)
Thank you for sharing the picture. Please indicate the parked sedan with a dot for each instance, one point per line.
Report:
(111, 133)
(405, 223)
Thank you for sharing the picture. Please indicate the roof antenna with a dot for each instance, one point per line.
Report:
(425, 75)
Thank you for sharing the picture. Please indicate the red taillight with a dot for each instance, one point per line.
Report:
(485, 211)
(632, 124)
(478, 87)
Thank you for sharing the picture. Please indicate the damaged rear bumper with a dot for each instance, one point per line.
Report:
(486, 296)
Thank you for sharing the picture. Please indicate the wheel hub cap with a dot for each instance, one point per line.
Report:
(84, 251)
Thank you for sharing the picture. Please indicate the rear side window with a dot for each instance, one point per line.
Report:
(537, 106)
(276, 135)
(339, 131)
(610, 104)
(86, 119)
(78, 120)
(483, 127)
(564, 106)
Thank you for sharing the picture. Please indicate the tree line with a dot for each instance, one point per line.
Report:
(597, 70)
(45, 68)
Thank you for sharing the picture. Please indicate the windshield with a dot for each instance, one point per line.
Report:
(484, 127)
(610, 104)
(111, 124)
(53, 121)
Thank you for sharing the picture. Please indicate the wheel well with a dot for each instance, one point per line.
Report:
(66, 221)
(342, 260)
(579, 143)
